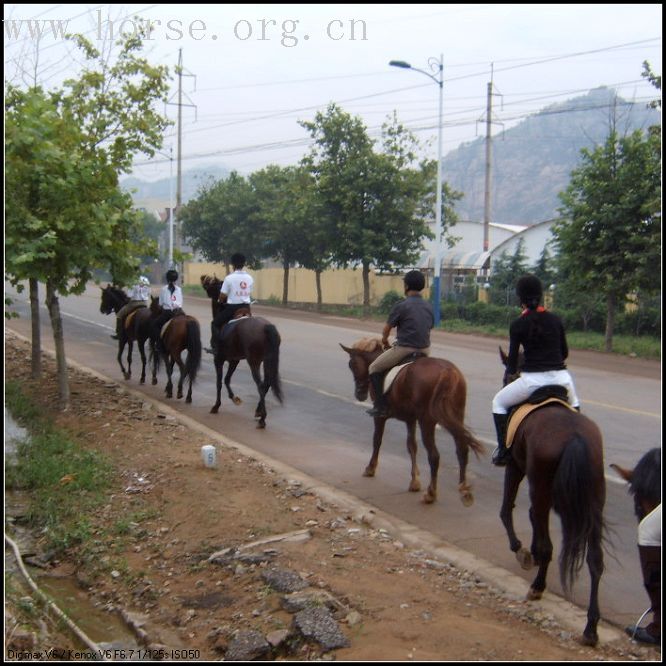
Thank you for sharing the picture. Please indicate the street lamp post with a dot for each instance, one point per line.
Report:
(438, 67)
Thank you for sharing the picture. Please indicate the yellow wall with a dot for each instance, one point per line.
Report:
(338, 286)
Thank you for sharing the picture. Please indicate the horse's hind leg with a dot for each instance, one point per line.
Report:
(512, 479)
(428, 436)
(371, 468)
(142, 353)
(595, 563)
(260, 411)
(412, 446)
(464, 489)
(219, 367)
(542, 546)
(227, 382)
(169, 368)
(181, 379)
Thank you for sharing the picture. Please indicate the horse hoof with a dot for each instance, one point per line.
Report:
(524, 558)
(154, 382)
(589, 641)
(368, 472)
(188, 400)
(260, 425)
(534, 595)
(429, 498)
(414, 487)
(237, 400)
(467, 498)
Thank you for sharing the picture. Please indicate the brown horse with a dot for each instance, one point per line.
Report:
(429, 391)
(257, 341)
(561, 452)
(139, 330)
(211, 286)
(182, 334)
(645, 485)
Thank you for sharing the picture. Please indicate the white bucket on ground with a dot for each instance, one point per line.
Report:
(209, 455)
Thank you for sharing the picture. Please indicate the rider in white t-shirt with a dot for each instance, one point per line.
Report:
(235, 293)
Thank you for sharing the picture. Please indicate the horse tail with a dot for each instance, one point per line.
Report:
(575, 500)
(272, 360)
(447, 405)
(193, 347)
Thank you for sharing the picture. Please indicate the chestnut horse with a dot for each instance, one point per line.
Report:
(182, 334)
(429, 391)
(112, 300)
(561, 452)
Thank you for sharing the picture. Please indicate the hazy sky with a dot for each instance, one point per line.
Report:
(261, 68)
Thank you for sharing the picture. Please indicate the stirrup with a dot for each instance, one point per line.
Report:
(501, 456)
(114, 337)
(381, 412)
(642, 635)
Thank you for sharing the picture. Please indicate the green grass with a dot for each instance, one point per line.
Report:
(65, 481)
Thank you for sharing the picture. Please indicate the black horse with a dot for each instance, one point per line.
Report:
(113, 299)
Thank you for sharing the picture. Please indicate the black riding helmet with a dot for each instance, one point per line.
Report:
(171, 275)
(529, 290)
(414, 281)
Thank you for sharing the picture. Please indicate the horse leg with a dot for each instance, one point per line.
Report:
(130, 346)
(380, 423)
(169, 369)
(219, 366)
(595, 563)
(428, 436)
(412, 447)
(154, 351)
(260, 411)
(464, 489)
(512, 479)
(142, 353)
(121, 348)
(181, 379)
(542, 546)
(227, 382)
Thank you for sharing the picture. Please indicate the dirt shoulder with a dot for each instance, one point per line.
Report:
(167, 514)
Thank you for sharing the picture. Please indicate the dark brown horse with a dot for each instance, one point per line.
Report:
(429, 391)
(645, 486)
(257, 341)
(138, 331)
(182, 334)
(561, 452)
(212, 286)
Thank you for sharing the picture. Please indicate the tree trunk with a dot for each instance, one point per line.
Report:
(366, 288)
(61, 362)
(36, 362)
(285, 283)
(318, 273)
(611, 306)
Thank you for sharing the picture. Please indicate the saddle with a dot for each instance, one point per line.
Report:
(543, 396)
(393, 372)
(130, 317)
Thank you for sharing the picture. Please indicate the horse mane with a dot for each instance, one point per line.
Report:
(367, 345)
(646, 479)
(211, 285)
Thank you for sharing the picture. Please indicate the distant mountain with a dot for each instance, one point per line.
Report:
(533, 160)
(156, 193)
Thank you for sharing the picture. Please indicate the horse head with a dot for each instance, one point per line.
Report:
(644, 482)
(155, 307)
(211, 285)
(361, 355)
(112, 299)
(508, 378)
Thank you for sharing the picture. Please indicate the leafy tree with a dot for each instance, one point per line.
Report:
(655, 80)
(609, 236)
(66, 215)
(221, 221)
(373, 199)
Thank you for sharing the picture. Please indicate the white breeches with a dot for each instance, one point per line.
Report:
(523, 387)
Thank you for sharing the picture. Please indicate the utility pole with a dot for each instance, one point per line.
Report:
(179, 178)
(489, 152)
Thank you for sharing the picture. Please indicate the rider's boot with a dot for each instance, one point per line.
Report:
(116, 335)
(650, 557)
(380, 407)
(501, 455)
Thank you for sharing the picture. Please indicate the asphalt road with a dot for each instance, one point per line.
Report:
(324, 432)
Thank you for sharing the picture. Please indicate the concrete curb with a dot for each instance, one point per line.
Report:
(567, 614)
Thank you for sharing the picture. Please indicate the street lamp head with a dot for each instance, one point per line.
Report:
(400, 63)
